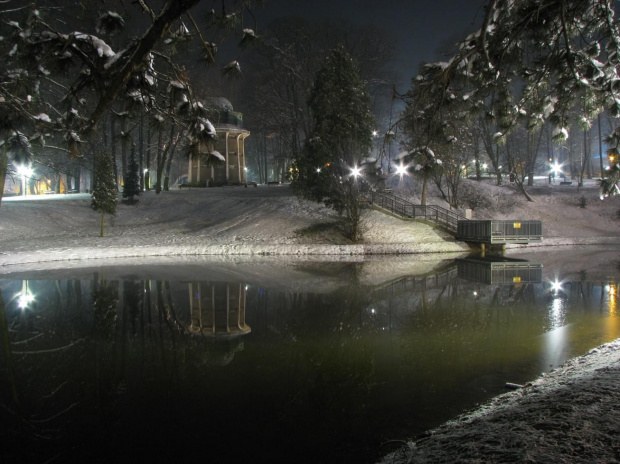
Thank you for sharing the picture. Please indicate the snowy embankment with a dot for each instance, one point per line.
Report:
(216, 221)
(570, 415)
(271, 221)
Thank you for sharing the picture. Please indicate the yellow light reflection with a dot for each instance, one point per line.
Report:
(612, 291)
(612, 325)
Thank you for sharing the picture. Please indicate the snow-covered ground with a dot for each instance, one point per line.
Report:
(216, 221)
(270, 221)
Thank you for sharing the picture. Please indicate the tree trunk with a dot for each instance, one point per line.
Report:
(78, 179)
(113, 149)
(141, 149)
(124, 147)
(424, 191)
(600, 145)
(3, 164)
(158, 162)
(168, 167)
(147, 174)
(522, 189)
(101, 231)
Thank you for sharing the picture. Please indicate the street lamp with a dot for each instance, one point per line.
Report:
(24, 171)
(401, 170)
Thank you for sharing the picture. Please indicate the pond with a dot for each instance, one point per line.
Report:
(280, 361)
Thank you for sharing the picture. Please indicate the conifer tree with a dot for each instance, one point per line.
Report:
(327, 170)
(131, 187)
(104, 193)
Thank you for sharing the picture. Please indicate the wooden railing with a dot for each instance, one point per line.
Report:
(390, 202)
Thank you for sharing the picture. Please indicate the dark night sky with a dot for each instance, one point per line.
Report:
(419, 25)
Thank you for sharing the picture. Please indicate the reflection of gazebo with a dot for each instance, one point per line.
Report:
(217, 309)
(227, 163)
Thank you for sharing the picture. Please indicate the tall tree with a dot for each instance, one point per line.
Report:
(104, 197)
(284, 65)
(327, 170)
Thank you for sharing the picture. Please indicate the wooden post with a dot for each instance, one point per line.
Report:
(482, 250)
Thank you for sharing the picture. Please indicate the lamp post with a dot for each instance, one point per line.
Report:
(24, 171)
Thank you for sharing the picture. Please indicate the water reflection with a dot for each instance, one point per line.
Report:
(110, 367)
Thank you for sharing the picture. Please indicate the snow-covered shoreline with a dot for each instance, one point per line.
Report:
(235, 221)
(569, 415)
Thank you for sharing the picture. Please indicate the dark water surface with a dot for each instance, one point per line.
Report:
(312, 362)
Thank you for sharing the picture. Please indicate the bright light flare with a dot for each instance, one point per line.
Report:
(355, 172)
(23, 170)
(24, 300)
(374, 133)
(611, 289)
(401, 170)
(556, 286)
(556, 168)
(318, 169)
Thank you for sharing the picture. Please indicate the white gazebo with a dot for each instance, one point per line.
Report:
(229, 167)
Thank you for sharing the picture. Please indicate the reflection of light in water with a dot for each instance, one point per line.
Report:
(613, 321)
(612, 298)
(25, 297)
(556, 341)
(556, 313)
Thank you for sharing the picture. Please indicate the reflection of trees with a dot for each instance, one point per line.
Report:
(105, 300)
(323, 358)
(89, 375)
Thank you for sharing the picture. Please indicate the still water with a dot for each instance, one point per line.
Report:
(308, 362)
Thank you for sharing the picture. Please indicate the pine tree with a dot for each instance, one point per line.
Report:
(131, 187)
(104, 193)
(327, 169)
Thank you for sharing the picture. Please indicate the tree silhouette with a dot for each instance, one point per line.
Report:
(104, 193)
(131, 187)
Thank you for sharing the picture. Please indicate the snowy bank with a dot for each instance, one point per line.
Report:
(569, 415)
(270, 221)
(216, 221)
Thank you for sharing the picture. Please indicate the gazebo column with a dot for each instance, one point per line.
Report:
(227, 160)
(239, 169)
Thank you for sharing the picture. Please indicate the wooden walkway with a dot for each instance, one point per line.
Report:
(484, 232)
